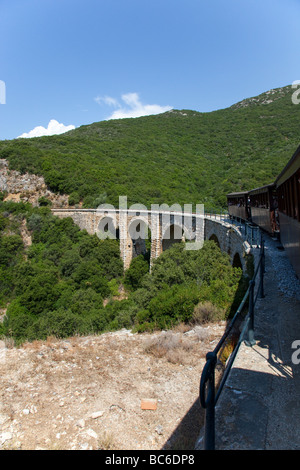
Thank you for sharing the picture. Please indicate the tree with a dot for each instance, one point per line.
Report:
(136, 272)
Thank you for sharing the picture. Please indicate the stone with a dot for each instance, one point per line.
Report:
(90, 432)
(80, 423)
(97, 414)
(159, 429)
(149, 404)
(5, 436)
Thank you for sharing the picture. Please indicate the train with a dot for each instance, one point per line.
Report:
(275, 208)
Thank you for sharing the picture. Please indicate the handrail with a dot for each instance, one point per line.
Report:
(207, 393)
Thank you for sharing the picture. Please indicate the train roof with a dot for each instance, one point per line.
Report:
(238, 194)
(261, 189)
(292, 166)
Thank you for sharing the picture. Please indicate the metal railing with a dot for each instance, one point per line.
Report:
(216, 214)
(252, 233)
(208, 394)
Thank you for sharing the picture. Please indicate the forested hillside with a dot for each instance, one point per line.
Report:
(176, 157)
(56, 280)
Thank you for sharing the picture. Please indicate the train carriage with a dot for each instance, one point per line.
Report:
(263, 208)
(275, 208)
(288, 190)
(238, 205)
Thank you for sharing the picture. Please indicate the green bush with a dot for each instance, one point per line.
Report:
(74, 199)
(43, 201)
(173, 305)
(137, 270)
(206, 312)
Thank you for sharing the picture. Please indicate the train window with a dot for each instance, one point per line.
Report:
(282, 198)
(298, 192)
(286, 198)
(240, 202)
(296, 181)
(289, 197)
(260, 200)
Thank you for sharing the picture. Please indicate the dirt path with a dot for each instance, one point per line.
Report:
(86, 392)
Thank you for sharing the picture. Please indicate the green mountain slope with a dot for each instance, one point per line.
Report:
(176, 157)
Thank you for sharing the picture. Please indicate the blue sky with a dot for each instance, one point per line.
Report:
(71, 62)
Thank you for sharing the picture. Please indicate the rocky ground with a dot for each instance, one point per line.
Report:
(89, 392)
(27, 187)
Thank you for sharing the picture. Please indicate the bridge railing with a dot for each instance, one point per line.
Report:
(209, 393)
(217, 214)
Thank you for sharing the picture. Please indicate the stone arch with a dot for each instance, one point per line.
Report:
(214, 238)
(236, 261)
(173, 233)
(139, 232)
(107, 227)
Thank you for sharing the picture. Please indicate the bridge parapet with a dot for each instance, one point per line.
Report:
(230, 240)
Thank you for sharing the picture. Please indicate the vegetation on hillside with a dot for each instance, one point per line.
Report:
(66, 282)
(182, 157)
(56, 286)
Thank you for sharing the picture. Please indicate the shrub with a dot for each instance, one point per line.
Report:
(173, 305)
(3, 222)
(170, 346)
(43, 201)
(34, 222)
(60, 323)
(74, 199)
(205, 312)
(136, 272)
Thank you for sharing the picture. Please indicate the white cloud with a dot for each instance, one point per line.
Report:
(54, 127)
(132, 107)
(107, 100)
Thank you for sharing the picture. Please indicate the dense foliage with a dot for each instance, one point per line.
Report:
(178, 157)
(57, 284)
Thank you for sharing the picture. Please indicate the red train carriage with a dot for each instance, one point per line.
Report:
(288, 189)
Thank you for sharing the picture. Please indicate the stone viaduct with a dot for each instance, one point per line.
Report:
(160, 229)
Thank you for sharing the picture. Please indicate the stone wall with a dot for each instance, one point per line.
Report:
(229, 239)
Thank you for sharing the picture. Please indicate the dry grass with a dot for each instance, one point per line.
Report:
(107, 442)
(169, 345)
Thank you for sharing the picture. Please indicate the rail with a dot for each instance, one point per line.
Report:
(208, 395)
(216, 214)
(250, 231)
